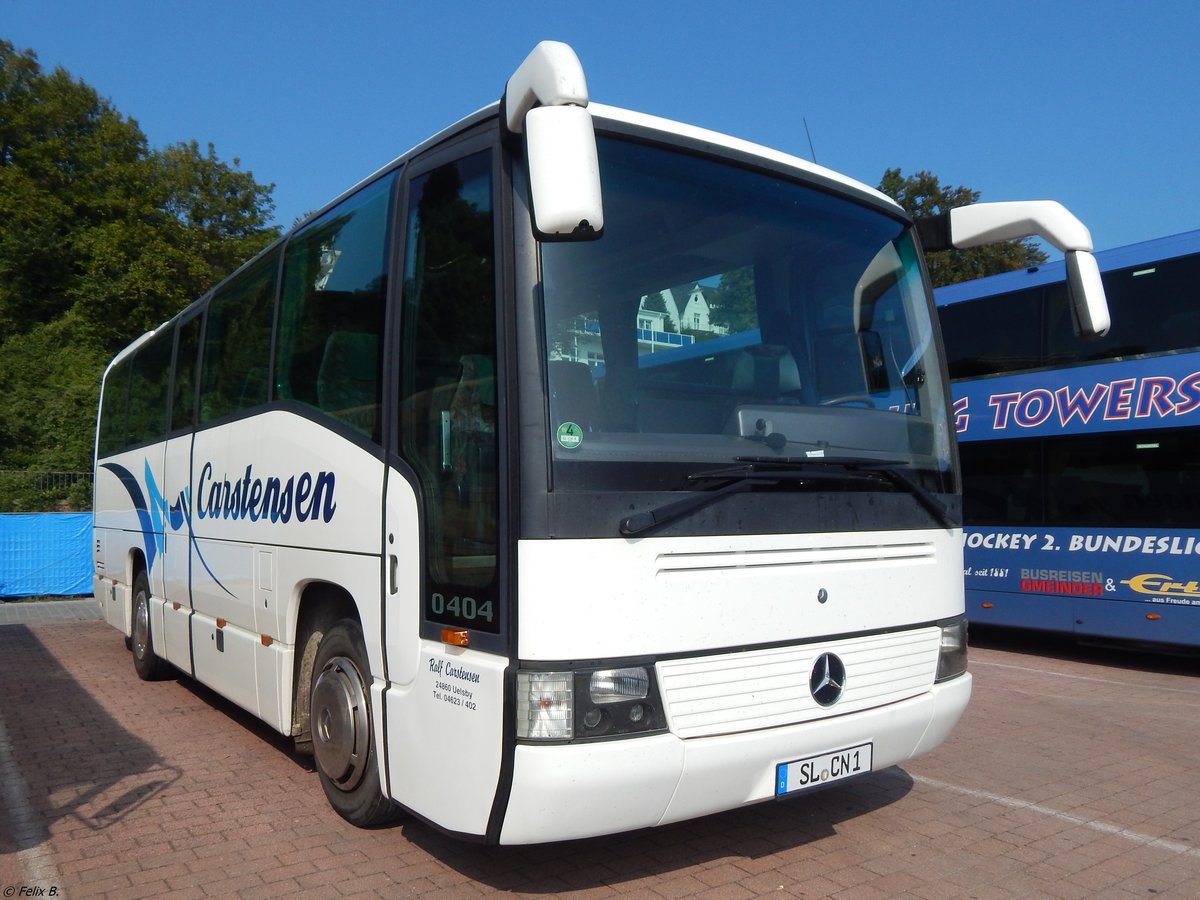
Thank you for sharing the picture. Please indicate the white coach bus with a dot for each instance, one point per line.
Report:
(577, 472)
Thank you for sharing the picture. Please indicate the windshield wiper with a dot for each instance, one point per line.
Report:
(881, 469)
(740, 480)
(761, 470)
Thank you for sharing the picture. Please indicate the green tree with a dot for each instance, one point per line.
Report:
(923, 195)
(101, 239)
(63, 154)
(733, 304)
(48, 405)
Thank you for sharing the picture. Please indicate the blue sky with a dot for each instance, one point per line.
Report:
(1095, 104)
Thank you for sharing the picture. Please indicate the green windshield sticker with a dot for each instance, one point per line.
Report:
(570, 435)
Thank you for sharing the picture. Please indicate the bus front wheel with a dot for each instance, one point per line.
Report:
(343, 736)
(148, 666)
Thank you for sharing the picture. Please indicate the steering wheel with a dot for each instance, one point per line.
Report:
(847, 399)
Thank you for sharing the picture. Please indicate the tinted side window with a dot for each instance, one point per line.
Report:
(998, 334)
(330, 349)
(448, 385)
(1145, 478)
(1002, 482)
(1148, 479)
(237, 342)
(184, 398)
(1155, 307)
(149, 379)
(113, 409)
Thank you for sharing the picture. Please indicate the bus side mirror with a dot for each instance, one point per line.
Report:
(564, 173)
(546, 101)
(1089, 306)
(989, 223)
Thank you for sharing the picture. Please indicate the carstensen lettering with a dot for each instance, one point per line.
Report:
(308, 497)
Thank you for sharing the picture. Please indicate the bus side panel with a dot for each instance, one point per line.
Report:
(107, 577)
(278, 502)
(1044, 612)
(128, 526)
(436, 689)
(445, 737)
(358, 575)
(177, 553)
(1129, 584)
(221, 629)
(225, 660)
(405, 564)
(1138, 622)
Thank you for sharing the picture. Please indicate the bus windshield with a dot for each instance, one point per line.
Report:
(728, 314)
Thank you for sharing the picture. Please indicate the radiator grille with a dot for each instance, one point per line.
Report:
(739, 692)
(808, 558)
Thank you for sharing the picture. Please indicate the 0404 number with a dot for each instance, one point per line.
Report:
(467, 608)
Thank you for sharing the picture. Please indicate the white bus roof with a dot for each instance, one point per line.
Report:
(716, 139)
(699, 137)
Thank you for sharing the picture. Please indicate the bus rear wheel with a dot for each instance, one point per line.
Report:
(343, 734)
(148, 666)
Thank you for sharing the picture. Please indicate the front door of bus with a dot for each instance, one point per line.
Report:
(445, 700)
(177, 497)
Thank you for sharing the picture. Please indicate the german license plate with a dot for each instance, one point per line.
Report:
(814, 771)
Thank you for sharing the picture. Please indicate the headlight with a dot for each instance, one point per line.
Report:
(545, 705)
(587, 704)
(617, 685)
(952, 659)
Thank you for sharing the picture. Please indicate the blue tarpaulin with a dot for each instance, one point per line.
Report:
(45, 554)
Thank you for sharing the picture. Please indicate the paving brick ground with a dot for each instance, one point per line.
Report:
(37, 612)
(1073, 775)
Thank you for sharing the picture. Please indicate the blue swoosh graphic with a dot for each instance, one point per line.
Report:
(151, 516)
(149, 538)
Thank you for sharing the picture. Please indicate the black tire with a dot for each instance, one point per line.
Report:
(148, 666)
(343, 729)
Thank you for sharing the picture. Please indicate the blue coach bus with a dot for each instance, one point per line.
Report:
(1081, 458)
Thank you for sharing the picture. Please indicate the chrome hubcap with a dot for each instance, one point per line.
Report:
(141, 627)
(340, 720)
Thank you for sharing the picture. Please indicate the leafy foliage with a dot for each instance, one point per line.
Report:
(733, 304)
(101, 239)
(923, 195)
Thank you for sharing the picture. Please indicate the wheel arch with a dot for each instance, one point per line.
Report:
(135, 564)
(320, 605)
